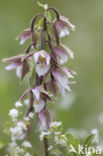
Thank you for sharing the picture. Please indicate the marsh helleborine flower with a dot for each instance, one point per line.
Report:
(42, 59)
(22, 67)
(63, 26)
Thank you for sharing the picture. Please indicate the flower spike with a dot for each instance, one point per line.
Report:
(43, 60)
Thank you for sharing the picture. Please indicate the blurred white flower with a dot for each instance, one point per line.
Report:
(61, 140)
(50, 147)
(27, 144)
(55, 124)
(11, 147)
(18, 151)
(95, 132)
(26, 118)
(13, 113)
(27, 154)
(43, 134)
(57, 133)
(31, 115)
(18, 104)
(17, 132)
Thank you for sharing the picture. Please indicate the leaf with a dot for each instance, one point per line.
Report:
(48, 16)
(33, 75)
(40, 23)
(89, 140)
(71, 140)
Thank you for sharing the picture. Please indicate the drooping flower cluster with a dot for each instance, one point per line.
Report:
(44, 59)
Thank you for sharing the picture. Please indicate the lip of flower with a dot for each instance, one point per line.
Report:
(42, 59)
(38, 105)
(22, 67)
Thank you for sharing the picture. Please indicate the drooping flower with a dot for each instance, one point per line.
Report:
(63, 52)
(39, 95)
(68, 72)
(42, 58)
(22, 67)
(27, 34)
(43, 120)
(52, 86)
(24, 36)
(63, 26)
(39, 92)
(61, 81)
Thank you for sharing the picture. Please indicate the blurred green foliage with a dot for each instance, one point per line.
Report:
(86, 42)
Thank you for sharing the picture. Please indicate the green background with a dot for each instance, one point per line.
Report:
(86, 100)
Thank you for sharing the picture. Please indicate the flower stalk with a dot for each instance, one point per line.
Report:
(47, 73)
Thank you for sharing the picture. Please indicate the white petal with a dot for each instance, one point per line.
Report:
(63, 60)
(67, 72)
(19, 72)
(68, 51)
(57, 76)
(47, 59)
(72, 27)
(22, 41)
(36, 93)
(12, 66)
(18, 104)
(26, 102)
(42, 125)
(68, 88)
(39, 105)
(27, 144)
(36, 56)
(42, 71)
(64, 32)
